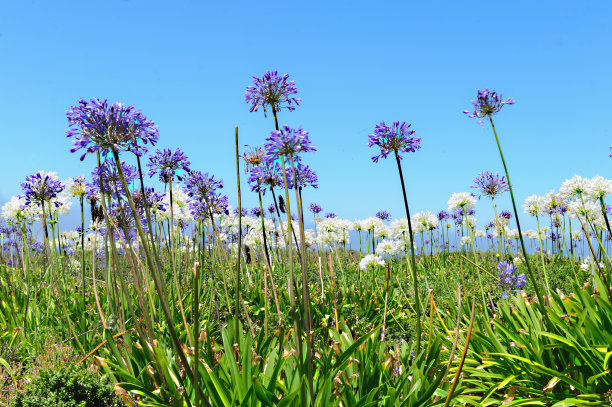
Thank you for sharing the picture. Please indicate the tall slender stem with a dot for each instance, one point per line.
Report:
(417, 304)
(237, 308)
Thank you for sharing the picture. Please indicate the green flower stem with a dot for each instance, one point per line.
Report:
(518, 224)
(237, 309)
(417, 304)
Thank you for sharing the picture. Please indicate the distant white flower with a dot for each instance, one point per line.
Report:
(534, 205)
(389, 247)
(13, 207)
(462, 201)
(371, 261)
(465, 240)
(424, 221)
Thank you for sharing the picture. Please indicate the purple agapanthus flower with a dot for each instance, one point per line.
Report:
(266, 175)
(243, 212)
(304, 175)
(167, 163)
(154, 199)
(395, 138)
(40, 188)
(111, 181)
(442, 215)
(329, 215)
(98, 126)
(383, 215)
(256, 212)
(272, 90)
(487, 103)
(505, 215)
(287, 142)
(315, 208)
(490, 184)
(271, 209)
(509, 280)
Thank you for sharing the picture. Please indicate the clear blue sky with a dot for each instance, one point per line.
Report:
(186, 65)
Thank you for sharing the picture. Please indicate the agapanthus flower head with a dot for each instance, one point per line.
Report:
(330, 215)
(490, 184)
(395, 138)
(505, 215)
(272, 90)
(371, 261)
(111, 180)
(256, 212)
(598, 187)
(287, 142)
(442, 215)
(244, 212)
(573, 187)
(533, 205)
(154, 199)
(315, 208)
(98, 126)
(461, 201)
(271, 209)
(304, 175)
(264, 176)
(383, 215)
(509, 279)
(389, 247)
(253, 158)
(168, 164)
(487, 103)
(41, 187)
(77, 186)
(198, 184)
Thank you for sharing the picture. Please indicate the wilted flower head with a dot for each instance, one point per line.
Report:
(41, 187)
(461, 201)
(287, 142)
(253, 158)
(487, 103)
(395, 138)
(508, 278)
(98, 126)
(271, 90)
(166, 163)
(490, 184)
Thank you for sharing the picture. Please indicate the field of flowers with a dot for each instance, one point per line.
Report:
(179, 298)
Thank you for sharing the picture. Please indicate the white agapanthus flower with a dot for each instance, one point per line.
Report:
(597, 187)
(512, 233)
(534, 205)
(371, 261)
(480, 233)
(399, 229)
(389, 247)
(30, 213)
(465, 240)
(551, 201)
(180, 206)
(587, 210)
(424, 221)
(573, 187)
(463, 201)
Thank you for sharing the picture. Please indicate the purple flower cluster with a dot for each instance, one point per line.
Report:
(383, 215)
(442, 215)
(509, 280)
(490, 184)
(265, 175)
(271, 90)
(487, 103)
(202, 189)
(40, 188)
(111, 181)
(167, 163)
(98, 126)
(287, 142)
(330, 215)
(304, 176)
(395, 138)
(315, 208)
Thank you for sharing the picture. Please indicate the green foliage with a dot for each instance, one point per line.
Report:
(67, 387)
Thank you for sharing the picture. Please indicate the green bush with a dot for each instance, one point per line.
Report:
(67, 387)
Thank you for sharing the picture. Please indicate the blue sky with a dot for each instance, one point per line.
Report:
(186, 65)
